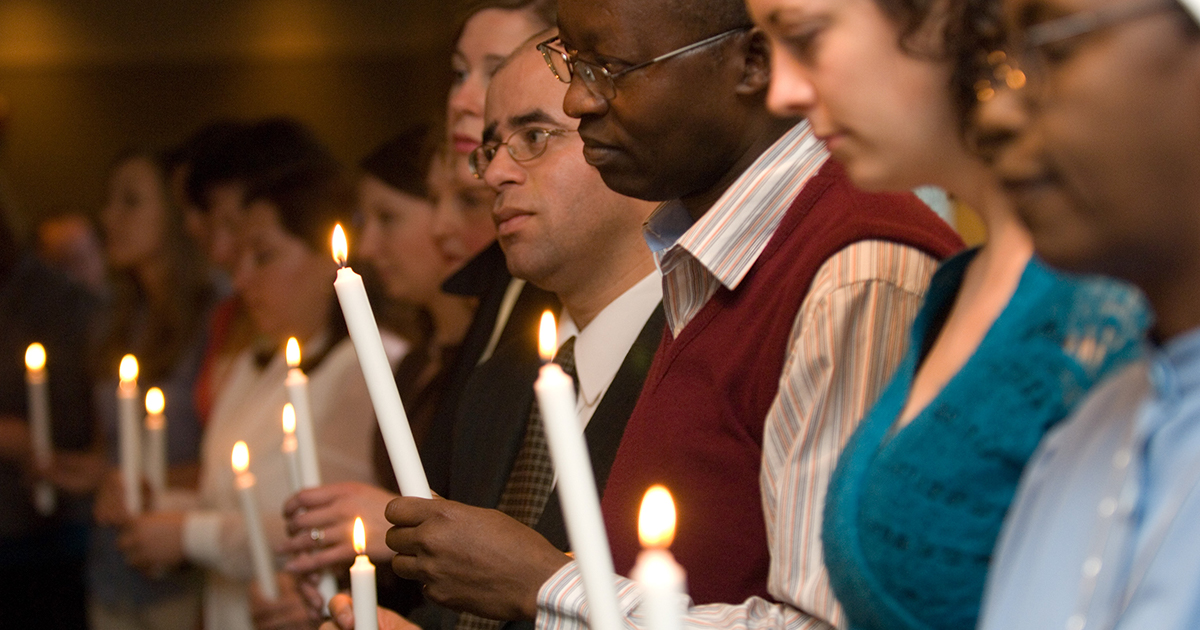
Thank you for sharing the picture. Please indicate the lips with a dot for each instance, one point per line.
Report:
(509, 220)
(464, 144)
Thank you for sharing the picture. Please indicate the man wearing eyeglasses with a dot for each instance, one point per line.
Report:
(787, 294)
(563, 230)
(1098, 149)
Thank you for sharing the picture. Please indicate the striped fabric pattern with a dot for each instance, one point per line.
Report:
(847, 338)
(720, 247)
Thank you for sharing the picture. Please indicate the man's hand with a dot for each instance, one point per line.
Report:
(341, 607)
(78, 472)
(471, 559)
(289, 612)
(109, 508)
(15, 446)
(330, 511)
(153, 542)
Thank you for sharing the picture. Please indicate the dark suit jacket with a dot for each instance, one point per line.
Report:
(490, 427)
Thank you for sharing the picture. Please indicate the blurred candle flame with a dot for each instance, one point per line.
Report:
(547, 337)
(35, 357)
(656, 519)
(341, 251)
(129, 369)
(360, 536)
(155, 401)
(241, 457)
(293, 352)
(289, 418)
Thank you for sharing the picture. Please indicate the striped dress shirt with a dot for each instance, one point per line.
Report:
(847, 338)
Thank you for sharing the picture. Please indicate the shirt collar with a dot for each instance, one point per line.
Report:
(728, 239)
(1175, 366)
(601, 347)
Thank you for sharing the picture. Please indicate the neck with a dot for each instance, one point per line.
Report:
(1176, 303)
(607, 283)
(451, 317)
(766, 134)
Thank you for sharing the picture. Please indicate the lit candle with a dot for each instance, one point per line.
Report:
(260, 553)
(130, 434)
(306, 439)
(576, 484)
(661, 578)
(295, 477)
(381, 385)
(362, 583)
(44, 497)
(156, 444)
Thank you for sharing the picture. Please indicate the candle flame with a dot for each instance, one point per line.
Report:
(547, 337)
(289, 418)
(656, 520)
(360, 536)
(293, 352)
(341, 251)
(35, 357)
(241, 457)
(129, 369)
(155, 401)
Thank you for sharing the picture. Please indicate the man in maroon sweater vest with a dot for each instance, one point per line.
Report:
(787, 292)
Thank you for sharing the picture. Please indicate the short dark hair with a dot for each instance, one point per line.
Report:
(262, 151)
(403, 161)
(309, 201)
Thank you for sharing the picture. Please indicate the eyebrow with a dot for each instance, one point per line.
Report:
(489, 132)
(529, 118)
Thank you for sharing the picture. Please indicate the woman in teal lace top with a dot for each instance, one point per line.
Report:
(1003, 348)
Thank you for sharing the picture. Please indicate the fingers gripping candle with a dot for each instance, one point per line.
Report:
(44, 497)
(389, 411)
(576, 484)
(130, 434)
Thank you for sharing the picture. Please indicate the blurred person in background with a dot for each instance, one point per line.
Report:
(41, 557)
(284, 276)
(69, 242)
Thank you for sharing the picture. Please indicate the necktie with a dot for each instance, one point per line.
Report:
(532, 477)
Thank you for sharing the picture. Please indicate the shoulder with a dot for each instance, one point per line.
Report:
(872, 262)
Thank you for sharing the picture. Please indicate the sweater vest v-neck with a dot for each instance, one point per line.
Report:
(698, 425)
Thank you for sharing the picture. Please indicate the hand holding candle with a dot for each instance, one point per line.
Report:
(44, 497)
(362, 582)
(156, 444)
(260, 553)
(661, 578)
(381, 385)
(130, 435)
(576, 484)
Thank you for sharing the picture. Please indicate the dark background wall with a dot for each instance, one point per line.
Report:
(82, 79)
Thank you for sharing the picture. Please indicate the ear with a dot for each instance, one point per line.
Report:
(756, 73)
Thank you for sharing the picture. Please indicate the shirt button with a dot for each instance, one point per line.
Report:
(1121, 459)
(1108, 507)
(1091, 567)
(1076, 622)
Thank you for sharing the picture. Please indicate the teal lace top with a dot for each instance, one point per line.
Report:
(911, 516)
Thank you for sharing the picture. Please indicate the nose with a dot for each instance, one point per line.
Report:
(580, 101)
(503, 171)
(997, 124)
(792, 92)
(468, 99)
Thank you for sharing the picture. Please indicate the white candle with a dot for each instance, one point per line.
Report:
(381, 385)
(662, 579)
(306, 439)
(576, 484)
(130, 434)
(362, 583)
(156, 444)
(260, 553)
(44, 497)
(290, 457)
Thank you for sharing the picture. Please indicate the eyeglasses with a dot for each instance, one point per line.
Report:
(1034, 53)
(600, 81)
(523, 145)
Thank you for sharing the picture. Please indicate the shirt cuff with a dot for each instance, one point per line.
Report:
(202, 537)
(562, 601)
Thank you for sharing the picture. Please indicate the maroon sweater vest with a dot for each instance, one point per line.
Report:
(698, 425)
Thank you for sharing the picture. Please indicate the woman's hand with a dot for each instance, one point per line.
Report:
(289, 612)
(153, 542)
(320, 523)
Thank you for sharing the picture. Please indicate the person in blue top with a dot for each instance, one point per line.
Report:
(1003, 348)
(1099, 149)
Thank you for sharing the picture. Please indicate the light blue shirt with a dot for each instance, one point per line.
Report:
(1105, 530)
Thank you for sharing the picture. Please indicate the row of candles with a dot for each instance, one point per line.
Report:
(661, 577)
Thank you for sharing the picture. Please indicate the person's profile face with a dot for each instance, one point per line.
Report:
(672, 129)
(1097, 151)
